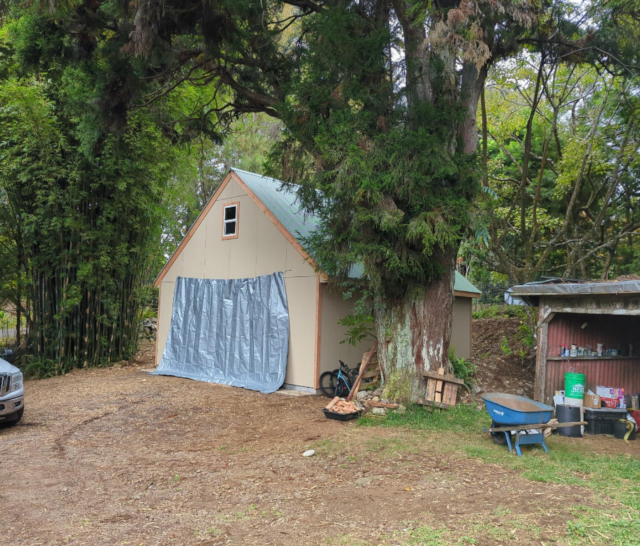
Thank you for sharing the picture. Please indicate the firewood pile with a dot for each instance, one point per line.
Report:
(338, 405)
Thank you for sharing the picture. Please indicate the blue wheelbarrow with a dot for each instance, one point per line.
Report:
(523, 417)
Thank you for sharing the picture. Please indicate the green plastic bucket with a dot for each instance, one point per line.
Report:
(574, 385)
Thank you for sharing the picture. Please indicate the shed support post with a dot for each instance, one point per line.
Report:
(545, 316)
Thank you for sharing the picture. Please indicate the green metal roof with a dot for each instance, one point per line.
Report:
(282, 202)
(463, 285)
(284, 205)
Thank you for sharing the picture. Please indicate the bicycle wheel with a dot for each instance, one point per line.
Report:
(328, 382)
(342, 388)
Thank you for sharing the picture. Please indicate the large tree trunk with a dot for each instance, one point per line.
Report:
(413, 334)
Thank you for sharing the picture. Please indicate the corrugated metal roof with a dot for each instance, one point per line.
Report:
(574, 289)
(284, 205)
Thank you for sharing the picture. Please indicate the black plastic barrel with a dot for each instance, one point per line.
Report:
(620, 429)
(569, 414)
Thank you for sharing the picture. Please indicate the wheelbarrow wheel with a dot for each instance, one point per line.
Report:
(498, 437)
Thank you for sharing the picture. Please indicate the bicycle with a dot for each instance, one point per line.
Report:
(338, 382)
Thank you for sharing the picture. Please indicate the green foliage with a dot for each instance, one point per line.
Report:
(358, 328)
(42, 368)
(393, 231)
(148, 312)
(504, 346)
(526, 335)
(575, 141)
(500, 311)
(463, 369)
(83, 179)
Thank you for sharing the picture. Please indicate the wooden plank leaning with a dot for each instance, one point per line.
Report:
(363, 369)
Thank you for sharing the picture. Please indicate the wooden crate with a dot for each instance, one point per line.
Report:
(442, 389)
(373, 369)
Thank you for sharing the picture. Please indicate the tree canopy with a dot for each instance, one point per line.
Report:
(376, 103)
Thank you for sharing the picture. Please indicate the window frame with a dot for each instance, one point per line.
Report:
(226, 206)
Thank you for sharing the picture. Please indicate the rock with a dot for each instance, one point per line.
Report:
(309, 453)
(385, 401)
(379, 411)
(362, 395)
(401, 409)
(520, 392)
(375, 399)
(363, 482)
(377, 392)
(360, 406)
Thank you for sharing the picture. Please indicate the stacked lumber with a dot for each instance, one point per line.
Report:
(338, 405)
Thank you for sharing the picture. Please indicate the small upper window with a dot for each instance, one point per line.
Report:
(230, 221)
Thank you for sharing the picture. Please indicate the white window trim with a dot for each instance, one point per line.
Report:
(236, 220)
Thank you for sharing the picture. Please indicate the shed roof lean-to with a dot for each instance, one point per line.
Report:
(283, 204)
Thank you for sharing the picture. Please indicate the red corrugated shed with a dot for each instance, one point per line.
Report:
(612, 331)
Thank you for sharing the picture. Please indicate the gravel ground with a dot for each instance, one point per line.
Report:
(116, 456)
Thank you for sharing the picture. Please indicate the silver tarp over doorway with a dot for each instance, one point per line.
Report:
(231, 332)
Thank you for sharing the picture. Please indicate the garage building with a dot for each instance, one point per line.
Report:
(251, 227)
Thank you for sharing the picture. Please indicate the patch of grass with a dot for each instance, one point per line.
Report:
(329, 448)
(462, 418)
(425, 535)
(614, 476)
(599, 526)
(390, 447)
(568, 463)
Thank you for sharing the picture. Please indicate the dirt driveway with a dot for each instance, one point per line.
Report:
(115, 456)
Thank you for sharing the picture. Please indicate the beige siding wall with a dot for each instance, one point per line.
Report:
(259, 249)
(461, 329)
(334, 307)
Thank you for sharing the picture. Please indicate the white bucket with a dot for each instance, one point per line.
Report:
(574, 402)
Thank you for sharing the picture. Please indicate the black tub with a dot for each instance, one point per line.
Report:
(568, 414)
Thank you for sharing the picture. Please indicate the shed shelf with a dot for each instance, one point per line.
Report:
(593, 358)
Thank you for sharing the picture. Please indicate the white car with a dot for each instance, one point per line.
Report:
(11, 394)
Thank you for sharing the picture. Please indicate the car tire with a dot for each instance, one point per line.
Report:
(14, 418)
